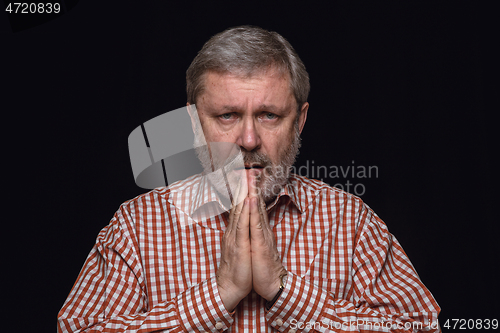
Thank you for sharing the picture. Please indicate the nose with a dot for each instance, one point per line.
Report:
(249, 137)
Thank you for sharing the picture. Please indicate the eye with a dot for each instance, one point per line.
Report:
(226, 116)
(270, 116)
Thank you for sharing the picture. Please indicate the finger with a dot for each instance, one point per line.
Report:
(234, 215)
(264, 218)
(242, 190)
(243, 223)
(256, 232)
(262, 209)
(237, 194)
(252, 184)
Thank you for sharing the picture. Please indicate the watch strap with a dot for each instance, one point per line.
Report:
(270, 303)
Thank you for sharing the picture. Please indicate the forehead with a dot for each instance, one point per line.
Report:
(270, 88)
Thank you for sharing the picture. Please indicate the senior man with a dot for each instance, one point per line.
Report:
(293, 254)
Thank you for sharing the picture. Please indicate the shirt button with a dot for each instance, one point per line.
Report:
(219, 325)
(279, 322)
(292, 331)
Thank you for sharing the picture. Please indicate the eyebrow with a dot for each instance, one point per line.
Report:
(271, 108)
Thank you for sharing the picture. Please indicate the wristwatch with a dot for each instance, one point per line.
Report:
(282, 286)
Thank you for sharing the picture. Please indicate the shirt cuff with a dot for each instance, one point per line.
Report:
(300, 302)
(200, 308)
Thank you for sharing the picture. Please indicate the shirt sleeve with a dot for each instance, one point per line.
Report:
(386, 293)
(110, 294)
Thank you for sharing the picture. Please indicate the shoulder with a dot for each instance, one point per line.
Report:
(338, 204)
(160, 197)
(145, 200)
(161, 202)
(317, 192)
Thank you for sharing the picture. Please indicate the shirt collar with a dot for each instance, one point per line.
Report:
(206, 194)
(199, 200)
(291, 191)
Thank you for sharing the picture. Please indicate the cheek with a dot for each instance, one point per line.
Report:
(214, 134)
(277, 141)
(283, 135)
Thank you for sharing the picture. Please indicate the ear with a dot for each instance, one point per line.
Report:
(303, 116)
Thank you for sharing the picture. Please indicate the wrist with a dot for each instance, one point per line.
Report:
(270, 302)
(230, 296)
(229, 299)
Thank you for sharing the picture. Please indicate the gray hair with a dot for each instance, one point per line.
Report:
(243, 51)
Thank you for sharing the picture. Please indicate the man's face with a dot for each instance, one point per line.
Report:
(259, 114)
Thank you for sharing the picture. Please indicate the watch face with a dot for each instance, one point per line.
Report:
(283, 281)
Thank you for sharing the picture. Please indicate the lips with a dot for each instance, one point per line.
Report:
(253, 166)
(249, 166)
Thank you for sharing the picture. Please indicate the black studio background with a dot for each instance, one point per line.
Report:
(400, 86)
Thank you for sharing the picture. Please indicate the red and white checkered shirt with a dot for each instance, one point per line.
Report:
(153, 269)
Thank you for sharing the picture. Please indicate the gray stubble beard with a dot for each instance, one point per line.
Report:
(274, 176)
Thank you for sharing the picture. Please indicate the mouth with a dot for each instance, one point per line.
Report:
(249, 166)
(253, 166)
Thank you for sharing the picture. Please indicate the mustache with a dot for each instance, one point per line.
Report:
(256, 158)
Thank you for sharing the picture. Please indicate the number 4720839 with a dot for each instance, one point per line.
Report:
(470, 324)
(32, 8)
